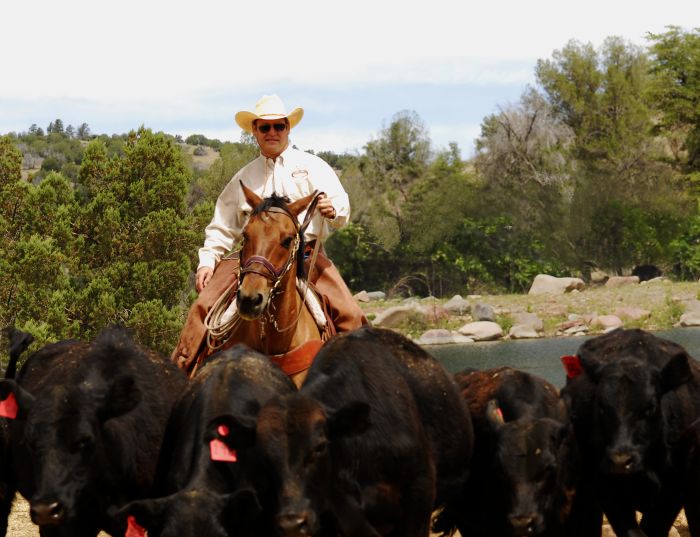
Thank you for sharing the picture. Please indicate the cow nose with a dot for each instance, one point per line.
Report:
(46, 514)
(293, 524)
(623, 462)
(522, 524)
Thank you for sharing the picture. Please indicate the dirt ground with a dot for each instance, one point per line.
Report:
(21, 526)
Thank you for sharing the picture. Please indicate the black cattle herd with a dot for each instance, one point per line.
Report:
(380, 440)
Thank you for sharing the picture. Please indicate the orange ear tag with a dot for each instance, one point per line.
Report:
(133, 529)
(219, 451)
(8, 407)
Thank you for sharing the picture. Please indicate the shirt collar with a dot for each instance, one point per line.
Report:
(281, 157)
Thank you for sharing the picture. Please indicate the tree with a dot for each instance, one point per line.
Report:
(55, 127)
(675, 64)
(83, 131)
(391, 164)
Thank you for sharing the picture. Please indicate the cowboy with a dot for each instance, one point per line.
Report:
(285, 171)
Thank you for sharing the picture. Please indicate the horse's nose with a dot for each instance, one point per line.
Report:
(46, 514)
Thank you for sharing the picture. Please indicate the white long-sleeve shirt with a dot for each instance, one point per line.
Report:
(294, 174)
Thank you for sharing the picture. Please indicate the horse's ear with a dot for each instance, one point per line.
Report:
(251, 197)
(299, 205)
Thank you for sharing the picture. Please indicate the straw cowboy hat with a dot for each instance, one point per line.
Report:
(269, 107)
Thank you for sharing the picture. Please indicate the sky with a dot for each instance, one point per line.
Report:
(188, 67)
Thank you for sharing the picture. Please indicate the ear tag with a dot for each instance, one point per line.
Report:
(500, 414)
(8, 407)
(219, 451)
(572, 364)
(133, 529)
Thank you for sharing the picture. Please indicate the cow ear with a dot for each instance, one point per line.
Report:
(349, 420)
(15, 401)
(122, 396)
(494, 415)
(148, 514)
(676, 372)
(237, 432)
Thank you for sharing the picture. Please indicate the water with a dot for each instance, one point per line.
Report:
(540, 357)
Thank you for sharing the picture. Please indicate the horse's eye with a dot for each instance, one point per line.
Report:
(287, 243)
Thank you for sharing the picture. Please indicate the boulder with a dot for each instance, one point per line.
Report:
(362, 296)
(618, 281)
(441, 336)
(691, 318)
(396, 315)
(457, 305)
(482, 331)
(376, 295)
(631, 313)
(545, 284)
(483, 312)
(523, 331)
(523, 318)
(607, 322)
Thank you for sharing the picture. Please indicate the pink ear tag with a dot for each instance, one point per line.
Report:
(500, 414)
(220, 451)
(8, 407)
(133, 529)
(572, 364)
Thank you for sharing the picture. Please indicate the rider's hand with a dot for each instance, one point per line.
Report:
(325, 207)
(202, 278)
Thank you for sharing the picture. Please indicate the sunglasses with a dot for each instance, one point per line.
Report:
(265, 127)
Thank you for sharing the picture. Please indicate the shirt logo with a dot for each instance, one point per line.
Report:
(300, 174)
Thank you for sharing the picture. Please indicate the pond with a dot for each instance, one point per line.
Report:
(537, 356)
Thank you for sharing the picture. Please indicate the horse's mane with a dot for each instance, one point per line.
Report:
(275, 200)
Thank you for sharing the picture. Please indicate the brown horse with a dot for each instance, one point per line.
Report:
(272, 317)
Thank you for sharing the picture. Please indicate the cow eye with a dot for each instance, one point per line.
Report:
(82, 444)
(318, 451)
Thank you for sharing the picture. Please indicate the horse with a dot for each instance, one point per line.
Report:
(272, 316)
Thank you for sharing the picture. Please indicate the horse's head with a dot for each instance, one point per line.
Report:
(272, 245)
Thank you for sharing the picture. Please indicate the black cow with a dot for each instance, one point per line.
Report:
(210, 497)
(18, 342)
(377, 437)
(631, 397)
(524, 468)
(89, 427)
(646, 272)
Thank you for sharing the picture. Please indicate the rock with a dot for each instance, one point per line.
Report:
(599, 277)
(528, 319)
(692, 306)
(690, 319)
(523, 331)
(607, 322)
(617, 281)
(376, 295)
(396, 315)
(545, 284)
(482, 331)
(441, 336)
(483, 312)
(457, 305)
(362, 296)
(631, 313)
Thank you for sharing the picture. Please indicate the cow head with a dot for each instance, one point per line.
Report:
(627, 409)
(535, 464)
(60, 439)
(296, 436)
(194, 513)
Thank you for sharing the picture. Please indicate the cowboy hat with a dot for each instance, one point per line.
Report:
(269, 107)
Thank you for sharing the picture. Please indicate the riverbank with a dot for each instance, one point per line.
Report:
(661, 303)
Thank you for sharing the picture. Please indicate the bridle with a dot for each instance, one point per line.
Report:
(261, 265)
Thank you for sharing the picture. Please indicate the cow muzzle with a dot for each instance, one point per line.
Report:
(294, 524)
(46, 513)
(623, 462)
(524, 525)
